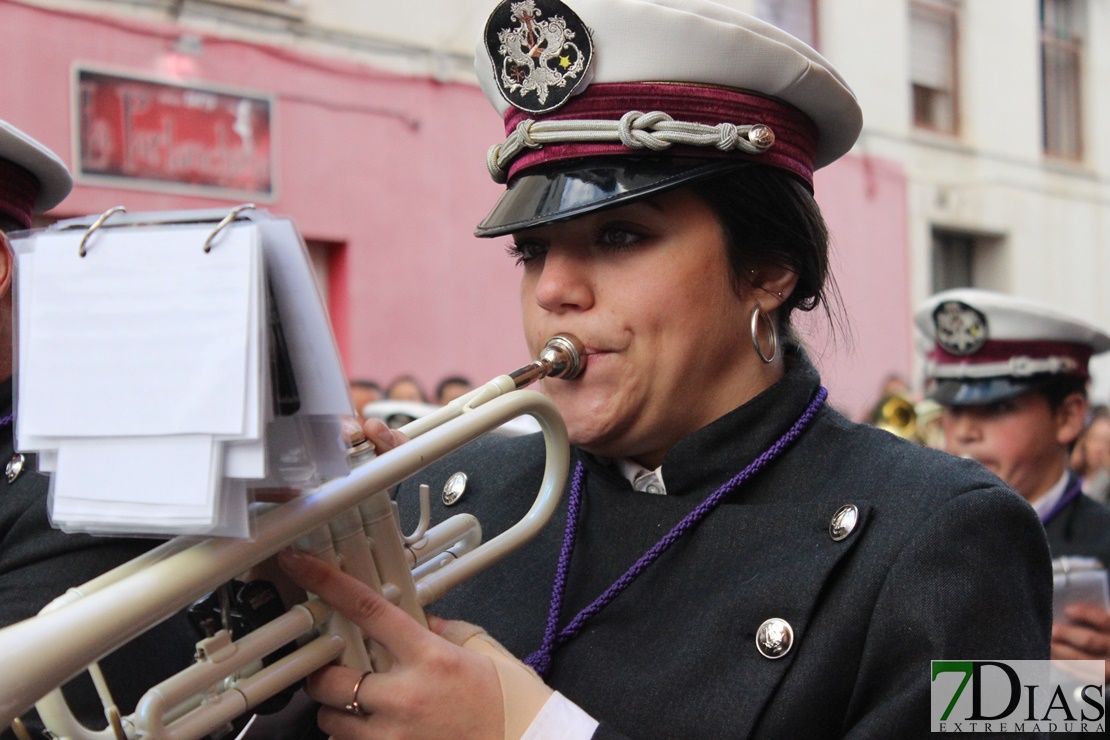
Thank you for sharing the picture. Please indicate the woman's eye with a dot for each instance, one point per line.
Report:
(525, 252)
(618, 238)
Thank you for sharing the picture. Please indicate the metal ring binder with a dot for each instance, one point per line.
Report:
(83, 249)
(231, 216)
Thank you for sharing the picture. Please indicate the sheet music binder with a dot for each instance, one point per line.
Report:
(214, 366)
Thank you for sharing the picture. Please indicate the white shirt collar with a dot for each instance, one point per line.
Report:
(1048, 499)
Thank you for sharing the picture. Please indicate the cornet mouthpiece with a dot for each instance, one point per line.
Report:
(565, 355)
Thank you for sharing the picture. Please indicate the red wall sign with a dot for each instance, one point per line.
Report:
(139, 132)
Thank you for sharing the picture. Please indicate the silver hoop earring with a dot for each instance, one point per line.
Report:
(757, 313)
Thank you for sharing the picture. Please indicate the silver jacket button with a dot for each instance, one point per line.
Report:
(843, 522)
(774, 638)
(14, 467)
(453, 489)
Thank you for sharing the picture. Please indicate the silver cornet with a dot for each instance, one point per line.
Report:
(351, 522)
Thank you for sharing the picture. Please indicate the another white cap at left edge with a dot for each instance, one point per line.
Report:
(55, 182)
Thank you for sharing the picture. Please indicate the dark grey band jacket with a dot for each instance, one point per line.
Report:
(944, 563)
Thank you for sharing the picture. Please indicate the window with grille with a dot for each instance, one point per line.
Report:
(934, 25)
(964, 259)
(1062, 67)
(797, 17)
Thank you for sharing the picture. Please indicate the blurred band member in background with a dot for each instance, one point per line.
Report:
(451, 388)
(1090, 458)
(405, 388)
(364, 392)
(1012, 377)
(37, 562)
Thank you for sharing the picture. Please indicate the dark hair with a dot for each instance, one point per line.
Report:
(1056, 390)
(451, 380)
(368, 384)
(406, 379)
(770, 218)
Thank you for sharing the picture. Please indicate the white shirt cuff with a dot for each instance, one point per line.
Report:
(561, 719)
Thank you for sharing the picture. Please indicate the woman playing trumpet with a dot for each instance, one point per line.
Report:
(733, 558)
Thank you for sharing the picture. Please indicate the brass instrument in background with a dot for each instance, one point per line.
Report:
(351, 522)
(917, 421)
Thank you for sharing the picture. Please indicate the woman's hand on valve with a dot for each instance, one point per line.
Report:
(451, 680)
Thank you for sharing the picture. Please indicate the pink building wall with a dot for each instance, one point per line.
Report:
(391, 171)
(864, 202)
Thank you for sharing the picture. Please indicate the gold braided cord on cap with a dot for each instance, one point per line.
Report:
(636, 130)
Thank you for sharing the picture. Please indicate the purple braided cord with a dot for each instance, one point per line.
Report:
(4, 421)
(540, 660)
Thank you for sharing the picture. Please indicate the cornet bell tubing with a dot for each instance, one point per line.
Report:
(53, 647)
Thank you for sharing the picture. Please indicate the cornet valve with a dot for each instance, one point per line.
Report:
(244, 608)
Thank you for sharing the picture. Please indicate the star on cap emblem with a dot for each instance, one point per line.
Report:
(961, 330)
(540, 51)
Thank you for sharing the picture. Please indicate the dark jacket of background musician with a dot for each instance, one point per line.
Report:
(38, 563)
(945, 562)
(1081, 528)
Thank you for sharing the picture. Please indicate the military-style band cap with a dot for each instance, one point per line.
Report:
(564, 191)
(32, 178)
(695, 86)
(989, 347)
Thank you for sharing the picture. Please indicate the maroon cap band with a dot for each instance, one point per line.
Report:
(1003, 350)
(795, 134)
(18, 191)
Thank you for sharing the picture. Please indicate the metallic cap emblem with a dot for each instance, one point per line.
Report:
(453, 489)
(774, 638)
(843, 522)
(14, 467)
(540, 52)
(961, 330)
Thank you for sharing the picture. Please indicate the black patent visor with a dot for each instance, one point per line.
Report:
(955, 392)
(571, 188)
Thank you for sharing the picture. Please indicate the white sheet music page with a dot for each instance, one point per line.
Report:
(146, 380)
(245, 454)
(137, 484)
(321, 383)
(307, 449)
(147, 334)
(138, 363)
